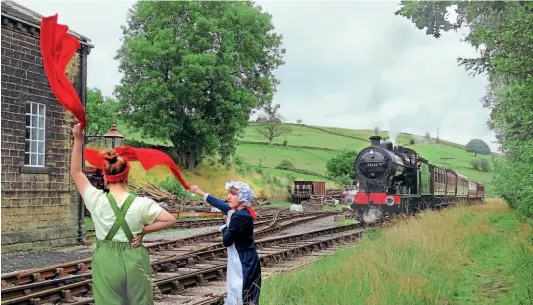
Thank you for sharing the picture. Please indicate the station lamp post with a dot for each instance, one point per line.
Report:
(113, 137)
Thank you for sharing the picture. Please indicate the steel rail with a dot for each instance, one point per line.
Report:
(82, 266)
(173, 283)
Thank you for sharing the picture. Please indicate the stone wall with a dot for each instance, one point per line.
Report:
(39, 204)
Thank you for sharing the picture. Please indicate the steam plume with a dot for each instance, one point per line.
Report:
(372, 215)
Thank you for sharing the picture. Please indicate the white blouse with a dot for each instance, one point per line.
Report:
(142, 211)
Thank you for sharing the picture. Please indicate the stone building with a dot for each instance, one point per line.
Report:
(41, 207)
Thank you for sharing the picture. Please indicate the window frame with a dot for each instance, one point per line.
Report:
(28, 138)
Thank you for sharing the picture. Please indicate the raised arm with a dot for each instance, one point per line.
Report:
(77, 174)
(213, 201)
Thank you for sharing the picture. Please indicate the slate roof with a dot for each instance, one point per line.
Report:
(20, 13)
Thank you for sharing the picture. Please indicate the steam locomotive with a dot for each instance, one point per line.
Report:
(397, 180)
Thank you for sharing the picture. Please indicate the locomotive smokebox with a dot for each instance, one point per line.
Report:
(375, 140)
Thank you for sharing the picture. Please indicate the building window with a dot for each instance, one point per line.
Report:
(35, 139)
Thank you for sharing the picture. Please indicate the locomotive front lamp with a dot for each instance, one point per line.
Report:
(349, 200)
(113, 137)
(389, 201)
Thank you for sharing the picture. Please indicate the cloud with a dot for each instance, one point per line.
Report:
(357, 65)
(349, 64)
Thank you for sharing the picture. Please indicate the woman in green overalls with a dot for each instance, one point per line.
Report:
(121, 266)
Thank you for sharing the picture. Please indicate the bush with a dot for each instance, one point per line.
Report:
(259, 166)
(285, 142)
(484, 165)
(476, 164)
(343, 180)
(412, 141)
(243, 167)
(171, 185)
(342, 165)
(286, 165)
(290, 181)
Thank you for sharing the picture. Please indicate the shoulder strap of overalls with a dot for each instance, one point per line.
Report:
(120, 214)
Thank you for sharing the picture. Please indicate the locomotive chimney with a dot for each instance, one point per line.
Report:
(375, 140)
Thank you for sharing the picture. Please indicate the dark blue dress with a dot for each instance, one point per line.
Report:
(244, 267)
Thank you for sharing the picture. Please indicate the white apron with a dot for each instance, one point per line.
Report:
(234, 280)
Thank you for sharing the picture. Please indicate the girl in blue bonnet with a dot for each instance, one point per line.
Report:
(244, 268)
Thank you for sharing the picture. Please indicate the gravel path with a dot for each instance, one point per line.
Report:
(19, 261)
(321, 223)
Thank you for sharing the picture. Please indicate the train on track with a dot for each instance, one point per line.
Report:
(397, 180)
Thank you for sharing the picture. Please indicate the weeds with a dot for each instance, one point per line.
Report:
(465, 255)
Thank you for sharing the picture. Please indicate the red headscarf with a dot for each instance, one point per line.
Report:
(57, 48)
(148, 157)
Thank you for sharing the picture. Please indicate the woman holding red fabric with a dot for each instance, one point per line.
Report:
(121, 267)
(244, 267)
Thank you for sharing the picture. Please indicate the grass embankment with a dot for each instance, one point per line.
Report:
(465, 255)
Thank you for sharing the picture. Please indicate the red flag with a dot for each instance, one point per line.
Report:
(148, 157)
(57, 48)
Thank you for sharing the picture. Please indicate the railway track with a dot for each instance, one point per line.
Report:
(173, 275)
(82, 266)
(202, 223)
(199, 223)
(196, 243)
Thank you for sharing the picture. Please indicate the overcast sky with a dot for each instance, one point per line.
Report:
(351, 64)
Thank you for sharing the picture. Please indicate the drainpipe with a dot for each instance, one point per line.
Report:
(84, 51)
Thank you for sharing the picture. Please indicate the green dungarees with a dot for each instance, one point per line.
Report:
(121, 273)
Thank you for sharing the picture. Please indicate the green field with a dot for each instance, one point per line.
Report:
(309, 159)
(303, 136)
(313, 158)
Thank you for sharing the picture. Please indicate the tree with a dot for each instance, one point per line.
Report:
(342, 166)
(299, 121)
(194, 71)
(101, 112)
(478, 146)
(270, 123)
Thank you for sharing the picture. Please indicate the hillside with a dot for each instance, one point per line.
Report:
(308, 148)
(338, 139)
